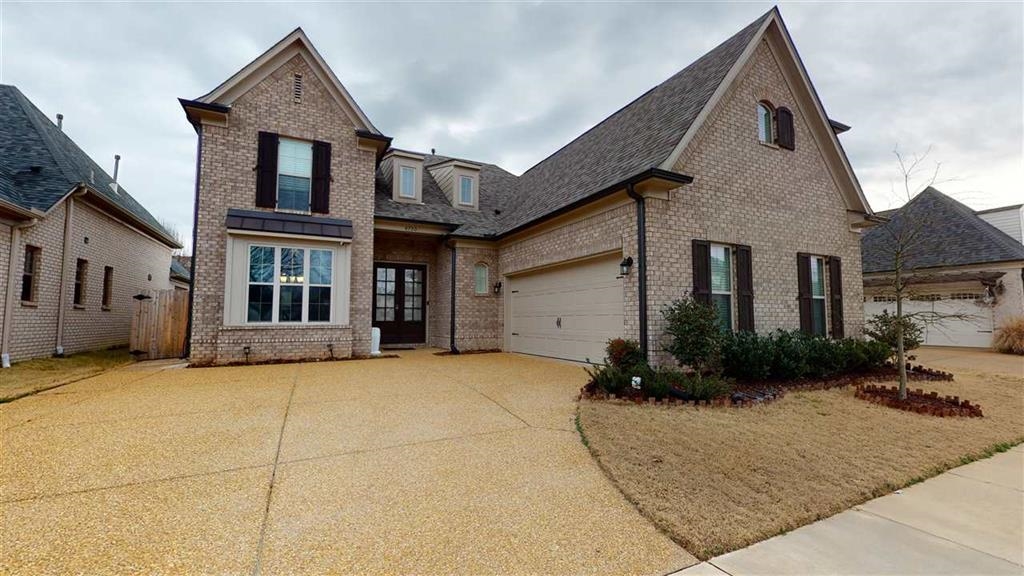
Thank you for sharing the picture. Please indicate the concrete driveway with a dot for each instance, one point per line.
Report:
(424, 464)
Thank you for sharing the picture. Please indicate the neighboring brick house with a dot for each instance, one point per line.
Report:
(74, 246)
(726, 181)
(964, 275)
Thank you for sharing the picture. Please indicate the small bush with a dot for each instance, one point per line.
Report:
(824, 357)
(790, 359)
(705, 387)
(624, 354)
(693, 336)
(609, 379)
(1009, 336)
(747, 356)
(659, 383)
(883, 329)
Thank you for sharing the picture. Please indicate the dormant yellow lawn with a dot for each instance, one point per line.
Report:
(42, 373)
(719, 479)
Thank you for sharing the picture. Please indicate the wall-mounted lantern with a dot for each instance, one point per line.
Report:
(626, 265)
(497, 287)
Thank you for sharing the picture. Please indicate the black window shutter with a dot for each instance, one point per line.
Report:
(835, 290)
(702, 271)
(744, 288)
(321, 195)
(786, 134)
(266, 170)
(803, 283)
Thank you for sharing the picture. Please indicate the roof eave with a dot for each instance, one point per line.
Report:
(114, 208)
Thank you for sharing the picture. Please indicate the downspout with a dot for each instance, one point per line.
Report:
(58, 349)
(451, 329)
(641, 263)
(187, 349)
(5, 338)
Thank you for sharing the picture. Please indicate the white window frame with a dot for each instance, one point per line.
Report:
(762, 126)
(277, 180)
(819, 261)
(731, 293)
(472, 190)
(486, 278)
(402, 168)
(276, 302)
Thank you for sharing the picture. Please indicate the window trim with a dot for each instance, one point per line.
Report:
(487, 279)
(766, 107)
(277, 179)
(276, 283)
(731, 251)
(81, 284)
(37, 253)
(401, 181)
(472, 190)
(821, 263)
(108, 288)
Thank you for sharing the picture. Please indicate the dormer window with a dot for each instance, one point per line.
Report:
(765, 120)
(407, 182)
(466, 190)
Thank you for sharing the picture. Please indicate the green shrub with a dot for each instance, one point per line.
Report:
(824, 357)
(693, 336)
(883, 329)
(875, 352)
(747, 355)
(609, 379)
(624, 354)
(705, 387)
(790, 359)
(659, 382)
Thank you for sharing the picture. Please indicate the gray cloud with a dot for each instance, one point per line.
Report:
(511, 83)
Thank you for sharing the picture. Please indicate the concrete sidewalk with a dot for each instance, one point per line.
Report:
(965, 521)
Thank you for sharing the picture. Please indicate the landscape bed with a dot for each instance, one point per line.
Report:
(717, 480)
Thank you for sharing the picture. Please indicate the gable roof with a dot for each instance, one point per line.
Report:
(951, 234)
(638, 137)
(294, 44)
(40, 165)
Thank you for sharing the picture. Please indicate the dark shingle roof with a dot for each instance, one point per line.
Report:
(179, 271)
(638, 137)
(948, 234)
(39, 164)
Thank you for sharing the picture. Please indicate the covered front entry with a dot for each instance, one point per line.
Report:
(399, 303)
(569, 311)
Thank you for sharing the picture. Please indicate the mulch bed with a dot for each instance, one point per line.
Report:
(918, 401)
(747, 394)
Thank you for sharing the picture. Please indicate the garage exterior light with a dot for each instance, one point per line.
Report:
(626, 265)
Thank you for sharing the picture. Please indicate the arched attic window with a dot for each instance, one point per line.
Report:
(481, 279)
(765, 121)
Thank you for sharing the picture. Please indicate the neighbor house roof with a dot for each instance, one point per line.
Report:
(179, 271)
(947, 234)
(40, 165)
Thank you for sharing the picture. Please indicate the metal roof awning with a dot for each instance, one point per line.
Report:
(282, 223)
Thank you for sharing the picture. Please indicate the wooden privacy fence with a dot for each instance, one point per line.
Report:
(159, 321)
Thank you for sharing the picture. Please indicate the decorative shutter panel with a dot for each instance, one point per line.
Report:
(744, 288)
(835, 289)
(803, 284)
(266, 170)
(786, 137)
(320, 200)
(702, 271)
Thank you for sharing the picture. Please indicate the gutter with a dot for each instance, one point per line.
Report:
(8, 326)
(186, 350)
(641, 262)
(451, 314)
(58, 348)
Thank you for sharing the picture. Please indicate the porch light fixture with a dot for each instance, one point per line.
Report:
(626, 265)
(497, 287)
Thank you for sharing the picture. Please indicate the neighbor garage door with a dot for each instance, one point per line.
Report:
(568, 312)
(965, 322)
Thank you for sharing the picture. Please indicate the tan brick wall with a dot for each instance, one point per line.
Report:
(479, 324)
(227, 180)
(779, 202)
(134, 257)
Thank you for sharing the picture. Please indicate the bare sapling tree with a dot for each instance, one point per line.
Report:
(908, 236)
(176, 234)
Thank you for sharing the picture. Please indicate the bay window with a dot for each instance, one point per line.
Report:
(721, 284)
(289, 284)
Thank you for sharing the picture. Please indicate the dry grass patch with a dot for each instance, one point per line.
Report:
(24, 378)
(720, 479)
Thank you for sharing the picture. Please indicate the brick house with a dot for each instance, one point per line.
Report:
(74, 245)
(726, 181)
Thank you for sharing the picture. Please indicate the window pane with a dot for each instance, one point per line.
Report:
(408, 182)
(289, 307)
(764, 123)
(320, 266)
(295, 158)
(481, 279)
(818, 316)
(261, 264)
(465, 190)
(817, 277)
(292, 266)
(723, 306)
(319, 304)
(261, 303)
(293, 193)
(721, 271)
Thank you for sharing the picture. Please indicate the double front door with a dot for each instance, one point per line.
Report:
(399, 303)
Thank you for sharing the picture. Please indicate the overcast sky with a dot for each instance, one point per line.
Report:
(510, 83)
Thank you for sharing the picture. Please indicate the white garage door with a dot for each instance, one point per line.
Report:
(567, 312)
(973, 330)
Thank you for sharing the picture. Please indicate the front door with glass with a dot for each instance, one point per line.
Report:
(399, 303)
